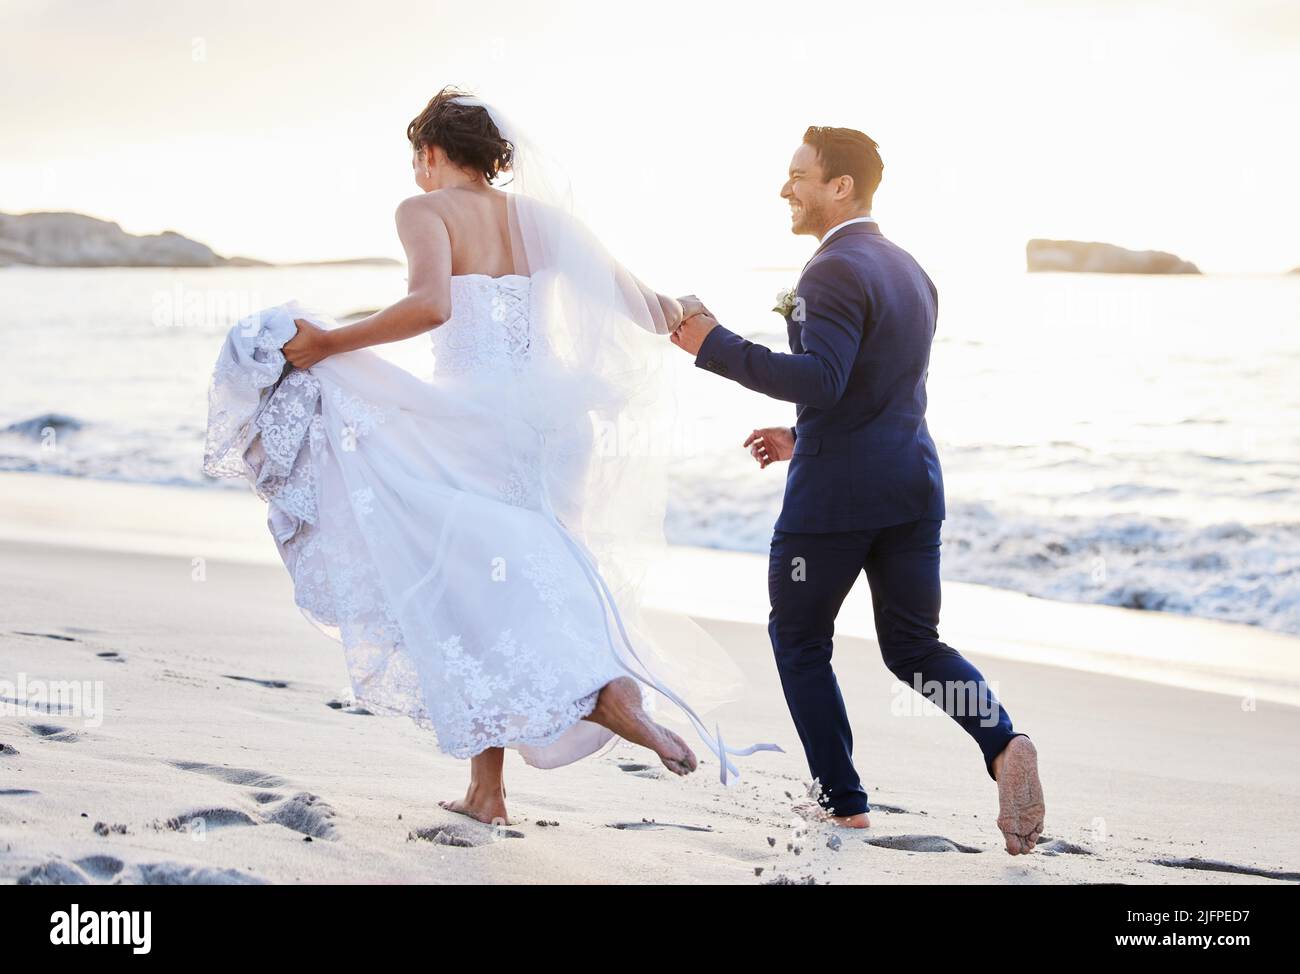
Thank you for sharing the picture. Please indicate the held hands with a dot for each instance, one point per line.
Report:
(696, 323)
(691, 305)
(770, 445)
(307, 347)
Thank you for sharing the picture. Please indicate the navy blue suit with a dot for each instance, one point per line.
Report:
(863, 493)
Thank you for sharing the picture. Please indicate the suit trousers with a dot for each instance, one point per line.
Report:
(809, 576)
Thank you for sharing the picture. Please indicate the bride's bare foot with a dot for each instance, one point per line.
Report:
(619, 708)
(1020, 795)
(482, 804)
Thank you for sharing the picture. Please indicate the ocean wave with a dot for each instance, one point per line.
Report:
(35, 427)
(1227, 571)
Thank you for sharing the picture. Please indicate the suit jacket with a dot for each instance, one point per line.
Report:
(856, 370)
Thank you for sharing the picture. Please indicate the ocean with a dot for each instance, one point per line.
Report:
(1126, 440)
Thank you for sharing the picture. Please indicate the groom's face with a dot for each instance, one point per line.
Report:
(809, 194)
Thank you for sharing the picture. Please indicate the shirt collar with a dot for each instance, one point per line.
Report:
(839, 226)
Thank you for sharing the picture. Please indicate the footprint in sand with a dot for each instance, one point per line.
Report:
(269, 684)
(463, 836)
(302, 812)
(640, 770)
(208, 818)
(649, 825)
(233, 776)
(890, 809)
(107, 869)
(54, 873)
(17, 791)
(1216, 866)
(8, 749)
(46, 635)
(111, 657)
(180, 874)
(920, 843)
(102, 868)
(305, 813)
(50, 732)
(1059, 847)
(348, 708)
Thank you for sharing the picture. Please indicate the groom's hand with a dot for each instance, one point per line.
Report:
(770, 445)
(690, 334)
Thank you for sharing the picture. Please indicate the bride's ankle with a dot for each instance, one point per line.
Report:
(486, 789)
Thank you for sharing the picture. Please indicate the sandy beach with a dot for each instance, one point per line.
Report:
(223, 747)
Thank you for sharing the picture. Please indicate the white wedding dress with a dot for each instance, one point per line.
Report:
(476, 542)
(440, 530)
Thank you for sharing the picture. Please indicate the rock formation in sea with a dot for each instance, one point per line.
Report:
(1102, 258)
(77, 240)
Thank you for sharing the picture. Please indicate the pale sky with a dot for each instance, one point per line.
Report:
(277, 130)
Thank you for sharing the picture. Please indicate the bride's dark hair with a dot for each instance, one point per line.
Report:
(465, 132)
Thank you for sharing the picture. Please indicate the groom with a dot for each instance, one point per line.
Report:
(864, 491)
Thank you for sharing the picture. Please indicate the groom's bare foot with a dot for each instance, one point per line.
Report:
(815, 813)
(481, 804)
(1020, 795)
(619, 708)
(858, 821)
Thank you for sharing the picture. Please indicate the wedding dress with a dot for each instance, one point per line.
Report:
(477, 541)
(472, 541)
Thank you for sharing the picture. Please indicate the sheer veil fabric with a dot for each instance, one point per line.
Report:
(478, 542)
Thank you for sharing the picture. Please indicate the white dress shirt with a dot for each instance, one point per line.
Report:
(856, 219)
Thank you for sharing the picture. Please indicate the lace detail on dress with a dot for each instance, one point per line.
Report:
(544, 572)
(389, 553)
(489, 329)
(359, 418)
(515, 672)
(522, 486)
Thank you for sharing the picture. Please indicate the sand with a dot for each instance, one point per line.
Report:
(226, 750)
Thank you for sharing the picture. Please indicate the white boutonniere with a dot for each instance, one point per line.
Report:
(788, 305)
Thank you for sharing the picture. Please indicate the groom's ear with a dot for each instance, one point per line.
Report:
(844, 187)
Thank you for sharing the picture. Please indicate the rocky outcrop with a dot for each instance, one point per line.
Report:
(75, 240)
(1102, 258)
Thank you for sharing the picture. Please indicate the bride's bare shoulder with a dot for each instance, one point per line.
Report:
(425, 210)
(450, 203)
(421, 203)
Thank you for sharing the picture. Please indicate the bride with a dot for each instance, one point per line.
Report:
(475, 541)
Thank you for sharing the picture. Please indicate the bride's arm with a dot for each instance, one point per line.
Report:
(428, 301)
(665, 313)
(426, 305)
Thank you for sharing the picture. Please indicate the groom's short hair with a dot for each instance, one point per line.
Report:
(848, 152)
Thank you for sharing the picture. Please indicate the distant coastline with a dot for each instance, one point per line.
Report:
(66, 239)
